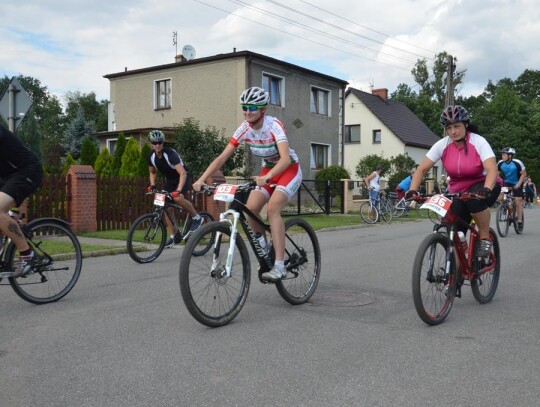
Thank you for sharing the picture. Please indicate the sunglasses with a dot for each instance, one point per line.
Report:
(252, 108)
(157, 143)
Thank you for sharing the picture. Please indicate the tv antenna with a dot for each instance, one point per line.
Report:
(175, 41)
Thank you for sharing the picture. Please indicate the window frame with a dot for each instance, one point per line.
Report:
(374, 138)
(315, 103)
(111, 142)
(348, 138)
(313, 159)
(157, 94)
(281, 88)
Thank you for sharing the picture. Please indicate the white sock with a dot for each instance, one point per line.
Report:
(196, 217)
(280, 264)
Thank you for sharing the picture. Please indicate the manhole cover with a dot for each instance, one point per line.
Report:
(341, 298)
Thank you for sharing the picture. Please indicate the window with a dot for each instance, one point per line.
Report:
(111, 145)
(274, 86)
(376, 137)
(162, 94)
(319, 101)
(320, 154)
(352, 134)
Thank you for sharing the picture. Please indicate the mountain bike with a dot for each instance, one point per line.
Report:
(436, 277)
(60, 262)
(507, 213)
(371, 211)
(215, 285)
(148, 233)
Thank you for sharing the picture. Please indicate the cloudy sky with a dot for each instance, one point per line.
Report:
(69, 45)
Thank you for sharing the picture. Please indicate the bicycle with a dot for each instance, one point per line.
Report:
(507, 213)
(215, 285)
(437, 279)
(148, 234)
(370, 212)
(59, 267)
(399, 207)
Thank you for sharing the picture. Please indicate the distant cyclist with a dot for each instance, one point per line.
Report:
(20, 176)
(514, 175)
(177, 179)
(470, 163)
(404, 185)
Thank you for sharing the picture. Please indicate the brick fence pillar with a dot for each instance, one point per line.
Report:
(82, 203)
(214, 207)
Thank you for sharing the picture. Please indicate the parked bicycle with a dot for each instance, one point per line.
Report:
(371, 211)
(436, 278)
(60, 266)
(215, 285)
(402, 206)
(148, 233)
(507, 213)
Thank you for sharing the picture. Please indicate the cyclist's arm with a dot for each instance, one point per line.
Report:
(490, 165)
(215, 165)
(183, 176)
(153, 175)
(282, 164)
(522, 178)
(369, 178)
(420, 172)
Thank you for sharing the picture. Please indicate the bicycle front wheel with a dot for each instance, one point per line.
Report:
(386, 212)
(503, 222)
(57, 244)
(210, 296)
(146, 238)
(433, 291)
(485, 283)
(302, 261)
(398, 208)
(369, 213)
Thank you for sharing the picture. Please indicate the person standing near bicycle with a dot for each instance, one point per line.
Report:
(177, 180)
(21, 175)
(471, 165)
(530, 192)
(266, 137)
(373, 183)
(513, 173)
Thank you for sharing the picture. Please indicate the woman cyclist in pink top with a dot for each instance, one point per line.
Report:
(470, 162)
(265, 136)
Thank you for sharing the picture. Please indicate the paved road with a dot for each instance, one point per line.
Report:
(123, 337)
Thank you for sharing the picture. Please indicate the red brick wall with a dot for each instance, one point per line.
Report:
(82, 203)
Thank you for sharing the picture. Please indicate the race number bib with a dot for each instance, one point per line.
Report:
(438, 204)
(159, 199)
(225, 192)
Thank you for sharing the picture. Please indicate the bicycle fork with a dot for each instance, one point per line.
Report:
(216, 264)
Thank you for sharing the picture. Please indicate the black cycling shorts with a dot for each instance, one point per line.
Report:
(464, 209)
(22, 184)
(172, 183)
(518, 193)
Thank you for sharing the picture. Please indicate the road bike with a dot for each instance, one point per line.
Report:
(148, 233)
(507, 213)
(371, 211)
(215, 285)
(436, 277)
(60, 261)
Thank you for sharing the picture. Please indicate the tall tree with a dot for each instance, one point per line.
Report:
(75, 133)
(130, 159)
(94, 112)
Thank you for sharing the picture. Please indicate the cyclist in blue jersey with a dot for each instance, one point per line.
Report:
(514, 175)
(404, 185)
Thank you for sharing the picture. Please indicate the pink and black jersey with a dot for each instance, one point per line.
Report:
(463, 164)
(263, 142)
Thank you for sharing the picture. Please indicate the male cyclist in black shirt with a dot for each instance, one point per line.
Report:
(20, 176)
(177, 179)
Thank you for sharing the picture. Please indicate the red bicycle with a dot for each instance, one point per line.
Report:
(436, 278)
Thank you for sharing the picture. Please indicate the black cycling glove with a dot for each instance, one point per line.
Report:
(485, 192)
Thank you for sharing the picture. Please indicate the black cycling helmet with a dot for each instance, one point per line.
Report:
(454, 114)
(508, 150)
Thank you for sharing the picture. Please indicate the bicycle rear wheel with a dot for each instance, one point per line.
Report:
(54, 240)
(433, 292)
(303, 262)
(210, 297)
(146, 238)
(201, 247)
(485, 284)
(368, 213)
(398, 208)
(386, 211)
(503, 221)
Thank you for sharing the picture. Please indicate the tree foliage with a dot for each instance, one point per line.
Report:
(130, 159)
(368, 164)
(142, 166)
(103, 163)
(94, 112)
(77, 130)
(118, 152)
(331, 173)
(89, 151)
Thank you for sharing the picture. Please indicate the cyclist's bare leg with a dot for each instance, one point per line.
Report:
(186, 205)
(482, 219)
(277, 202)
(170, 227)
(255, 203)
(8, 226)
(519, 206)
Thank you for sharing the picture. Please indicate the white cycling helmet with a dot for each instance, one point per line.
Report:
(254, 96)
(156, 136)
(508, 150)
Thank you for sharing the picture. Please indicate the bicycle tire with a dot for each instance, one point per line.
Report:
(54, 240)
(398, 208)
(485, 284)
(433, 293)
(201, 249)
(434, 217)
(302, 261)
(386, 212)
(369, 214)
(146, 238)
(214, 300)
(515, 221)
(503, 223)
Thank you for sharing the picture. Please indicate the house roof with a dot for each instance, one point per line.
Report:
(398, 118)
(240, 54)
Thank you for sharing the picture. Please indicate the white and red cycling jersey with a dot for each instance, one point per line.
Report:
(263, 142)
(463, 164)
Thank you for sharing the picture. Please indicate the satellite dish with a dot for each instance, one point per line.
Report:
(188, 52)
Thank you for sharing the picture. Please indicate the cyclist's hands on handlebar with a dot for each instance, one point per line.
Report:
(198, 185)
(151, 188)
(411, 194)
(484, 193)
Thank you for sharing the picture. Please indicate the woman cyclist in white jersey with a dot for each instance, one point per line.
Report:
(266, 138)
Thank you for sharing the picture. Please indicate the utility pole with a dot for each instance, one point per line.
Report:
(450, 68)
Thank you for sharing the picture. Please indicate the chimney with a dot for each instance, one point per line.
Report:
(179, 58)
(382, 93)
